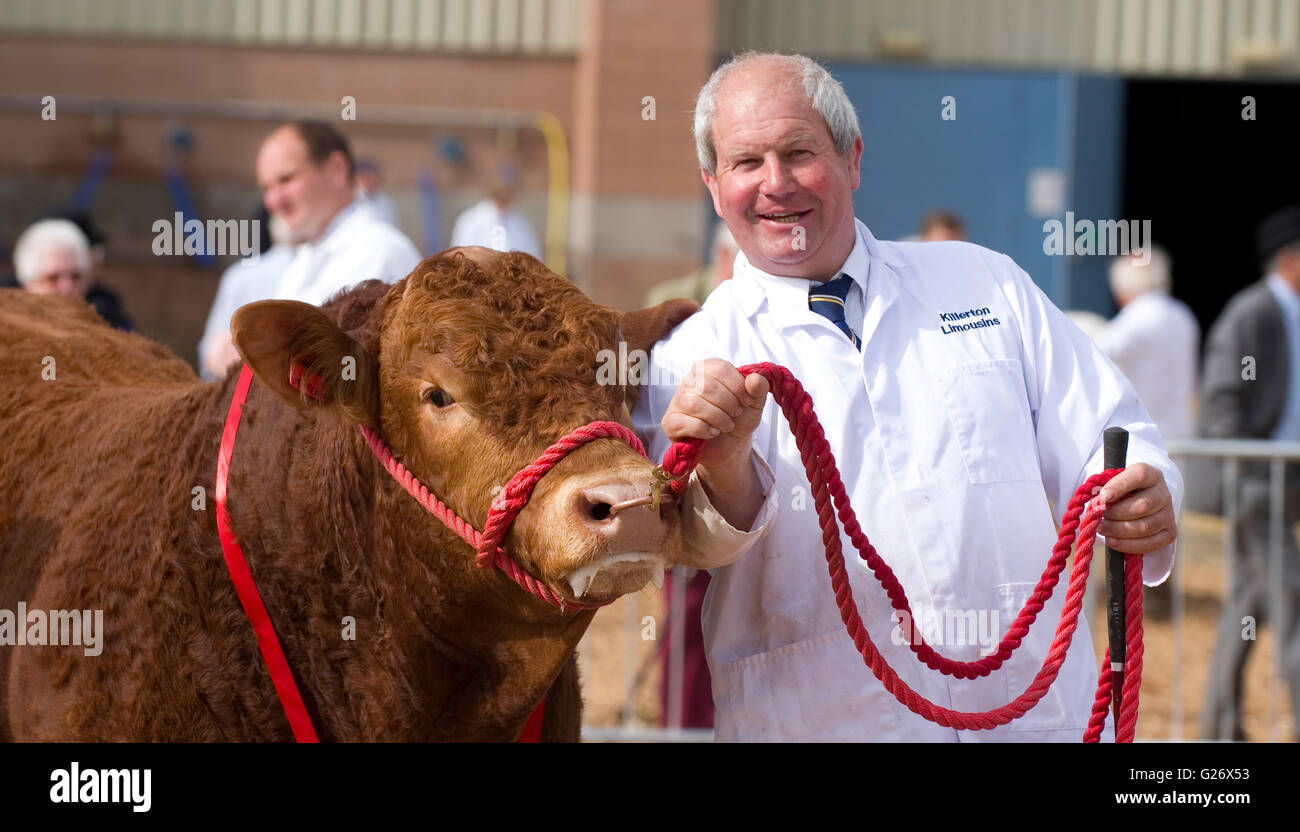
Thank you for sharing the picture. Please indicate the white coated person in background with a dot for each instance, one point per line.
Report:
(972, 407)
(251, 279)
(494, 222)
(305, 171)
(1154, 340)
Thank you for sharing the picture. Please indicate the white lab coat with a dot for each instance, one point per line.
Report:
(249, 280)
(354, 246)
(951, 443)
(1154, 341)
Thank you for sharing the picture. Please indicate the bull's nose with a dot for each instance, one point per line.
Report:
(633, 528)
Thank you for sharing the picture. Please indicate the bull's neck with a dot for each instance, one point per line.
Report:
(391, 631)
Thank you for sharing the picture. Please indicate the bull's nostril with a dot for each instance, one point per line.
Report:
(600, 512)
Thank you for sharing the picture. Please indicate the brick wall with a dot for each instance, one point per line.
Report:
(636, 216)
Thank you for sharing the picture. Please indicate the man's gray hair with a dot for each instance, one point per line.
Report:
(1130, 278)
(823, 93)
(42, 236)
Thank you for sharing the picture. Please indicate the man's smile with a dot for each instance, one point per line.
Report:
(785, 218)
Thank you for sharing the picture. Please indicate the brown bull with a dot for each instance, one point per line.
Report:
(469, 368)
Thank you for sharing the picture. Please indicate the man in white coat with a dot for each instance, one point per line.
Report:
(1154, 340)
(962, 409)
(306, 173)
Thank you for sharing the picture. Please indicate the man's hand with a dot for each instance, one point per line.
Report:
(221, 354)
(1139, 516)
(715, 402)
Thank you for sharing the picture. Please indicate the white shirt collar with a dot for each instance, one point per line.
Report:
(353, 210)
(793, 291)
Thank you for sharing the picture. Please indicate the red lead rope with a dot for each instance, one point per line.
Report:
(281, 676)
(819, 464)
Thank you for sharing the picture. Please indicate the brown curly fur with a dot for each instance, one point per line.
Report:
(97, 471)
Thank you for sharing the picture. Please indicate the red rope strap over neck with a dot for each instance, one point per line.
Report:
(824, 477)
(267, 643)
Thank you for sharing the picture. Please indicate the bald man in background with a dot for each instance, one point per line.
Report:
(307, 176)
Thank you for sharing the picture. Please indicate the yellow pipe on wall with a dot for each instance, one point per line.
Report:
(557, 191)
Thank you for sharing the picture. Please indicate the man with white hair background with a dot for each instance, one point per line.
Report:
(57, 256)
(52, 257)
(1154, 340)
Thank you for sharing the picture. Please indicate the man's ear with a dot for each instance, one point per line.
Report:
(711, 182)
(855, 163)
(297, 351)
(641, 329)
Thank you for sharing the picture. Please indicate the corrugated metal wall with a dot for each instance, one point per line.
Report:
(478, 26)
(1176, 37)
(1159, 37)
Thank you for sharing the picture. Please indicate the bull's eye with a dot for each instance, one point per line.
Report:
(440, 398)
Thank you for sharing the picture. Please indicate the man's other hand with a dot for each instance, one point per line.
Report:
(1139, 517)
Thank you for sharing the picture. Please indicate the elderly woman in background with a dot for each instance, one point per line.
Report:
(54, 257)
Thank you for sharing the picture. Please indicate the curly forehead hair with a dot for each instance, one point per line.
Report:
(526, 339)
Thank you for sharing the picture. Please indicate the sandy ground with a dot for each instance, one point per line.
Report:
(621, 677)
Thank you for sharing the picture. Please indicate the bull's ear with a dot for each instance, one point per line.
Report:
(297, 351)
(641, 329)
(645, 326)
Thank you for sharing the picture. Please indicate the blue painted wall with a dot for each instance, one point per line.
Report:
(979, 164)
(1097, 165)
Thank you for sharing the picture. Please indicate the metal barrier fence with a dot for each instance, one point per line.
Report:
(1230, 453)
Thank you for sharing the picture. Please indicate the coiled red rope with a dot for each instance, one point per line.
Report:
(1078, 526)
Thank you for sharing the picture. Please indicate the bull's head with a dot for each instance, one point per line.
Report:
(470, 368)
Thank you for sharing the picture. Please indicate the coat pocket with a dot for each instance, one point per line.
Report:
(989, 414)
(815, 690)
(1065, 705)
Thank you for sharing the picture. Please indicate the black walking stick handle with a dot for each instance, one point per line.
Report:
(1115, 444)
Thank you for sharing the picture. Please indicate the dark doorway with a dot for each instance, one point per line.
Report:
(1205, 176)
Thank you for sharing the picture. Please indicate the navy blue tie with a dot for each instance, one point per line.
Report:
(828, 300)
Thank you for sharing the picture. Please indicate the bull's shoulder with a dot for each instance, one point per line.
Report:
(67, 340)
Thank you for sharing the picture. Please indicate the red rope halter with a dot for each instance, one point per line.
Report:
(487, 544)
(823, 476)
(513, 498)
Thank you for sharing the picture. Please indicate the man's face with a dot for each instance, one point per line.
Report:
(60, 274)
(304, 196)
(783, 191)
